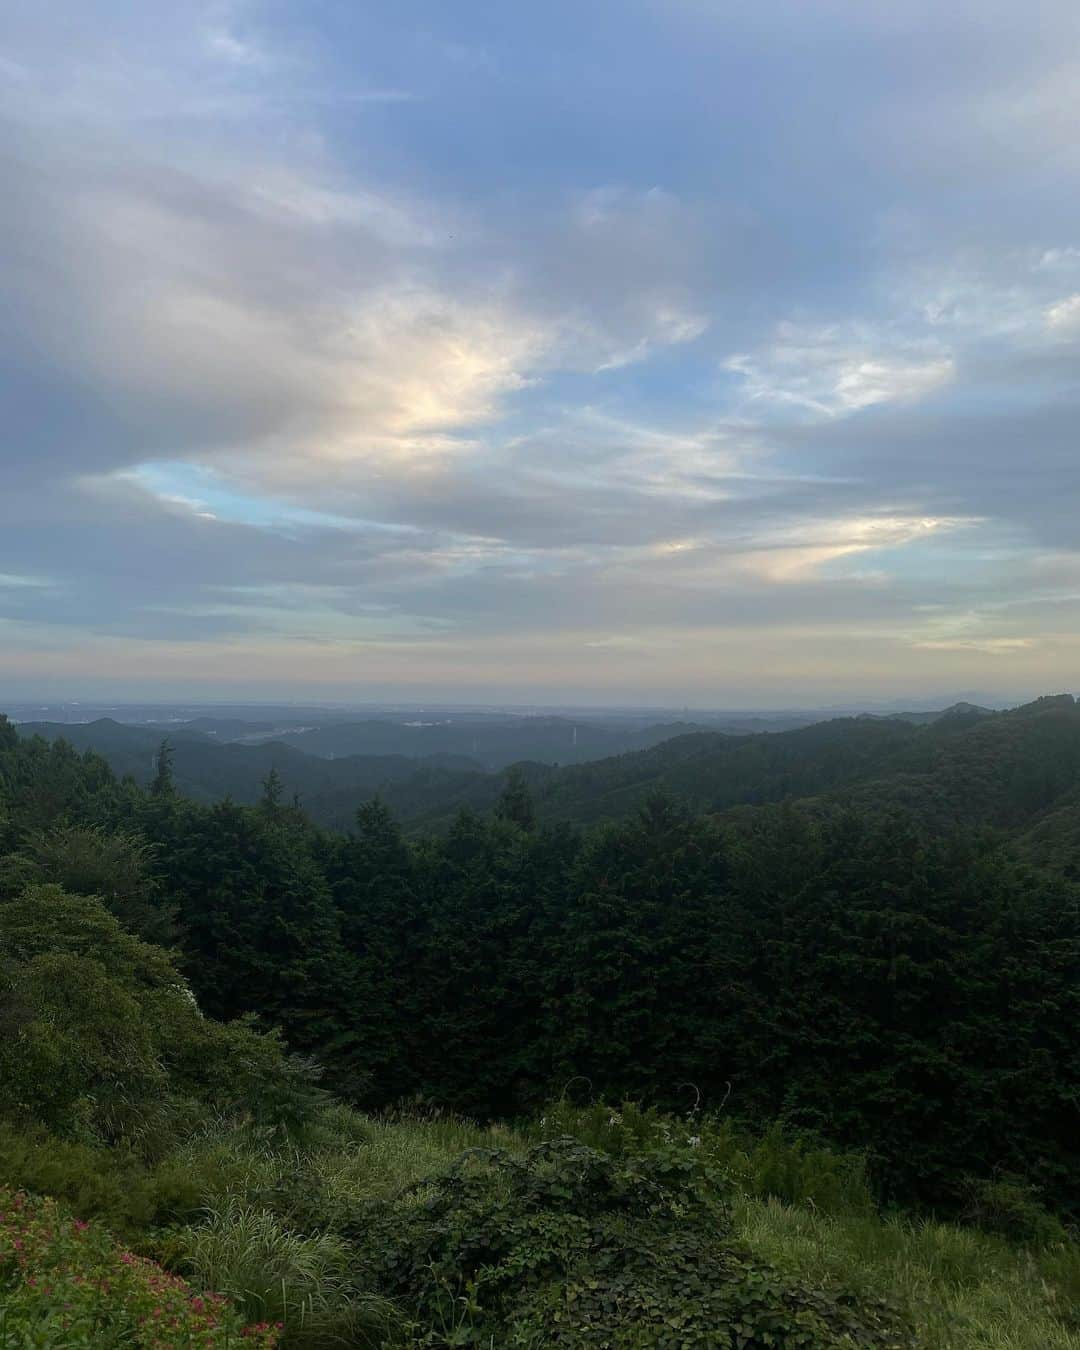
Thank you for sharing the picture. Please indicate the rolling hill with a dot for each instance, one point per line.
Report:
(1016, 770)
(207, 770)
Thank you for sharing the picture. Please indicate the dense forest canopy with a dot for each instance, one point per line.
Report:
(874, 964)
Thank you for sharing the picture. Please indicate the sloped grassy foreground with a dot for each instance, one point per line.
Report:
(591, 1227)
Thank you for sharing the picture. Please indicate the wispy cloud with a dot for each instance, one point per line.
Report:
(832, 371)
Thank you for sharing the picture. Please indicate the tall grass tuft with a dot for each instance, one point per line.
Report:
(964, 1289)
(277, 1275)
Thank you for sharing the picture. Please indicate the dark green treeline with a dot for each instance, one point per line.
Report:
(854, 975)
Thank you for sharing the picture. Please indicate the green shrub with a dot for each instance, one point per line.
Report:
(799, 1171)
(103, 1041)
(135, 1198)
(246, 1073)
(96, 1182)
(1011, 1208)
(623, 1131)
(115, 865)
(790, 1168)
(571, 1246)
(63, 1282)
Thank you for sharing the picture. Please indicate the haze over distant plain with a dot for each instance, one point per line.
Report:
(651, 351)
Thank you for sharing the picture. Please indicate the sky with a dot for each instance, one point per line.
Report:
(687, 352)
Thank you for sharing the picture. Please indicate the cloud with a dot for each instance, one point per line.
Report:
(833, 371)
(227, 46)
(440, 357)
(992, 646)
(1064, 313)
(10, 582)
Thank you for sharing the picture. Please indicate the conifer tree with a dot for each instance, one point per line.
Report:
(516, 803)
(163, 784)
(272, 789)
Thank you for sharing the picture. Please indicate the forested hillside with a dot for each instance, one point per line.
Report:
(493, 743)
(837, 1003)
(208, 770)
(965, 767)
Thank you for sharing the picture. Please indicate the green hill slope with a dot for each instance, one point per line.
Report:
(964, 767)
(207, 770)
(1003, 770)
(967, 767)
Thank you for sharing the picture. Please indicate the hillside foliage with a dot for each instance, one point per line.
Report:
(826, 1005)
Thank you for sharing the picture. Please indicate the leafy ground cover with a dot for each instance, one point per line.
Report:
(568, 1246)
(64, 1282)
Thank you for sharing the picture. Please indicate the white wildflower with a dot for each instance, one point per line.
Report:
(185, 993)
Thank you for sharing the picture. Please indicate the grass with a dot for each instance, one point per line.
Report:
(268, 1222)
(964, 1288)
(397, 1151)
(269, 1235)
(275, 1274)
(810, 1212)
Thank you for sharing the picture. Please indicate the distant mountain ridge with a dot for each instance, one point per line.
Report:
(558, 740)
(965, 766)
(207, 770)
(1017, 770)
